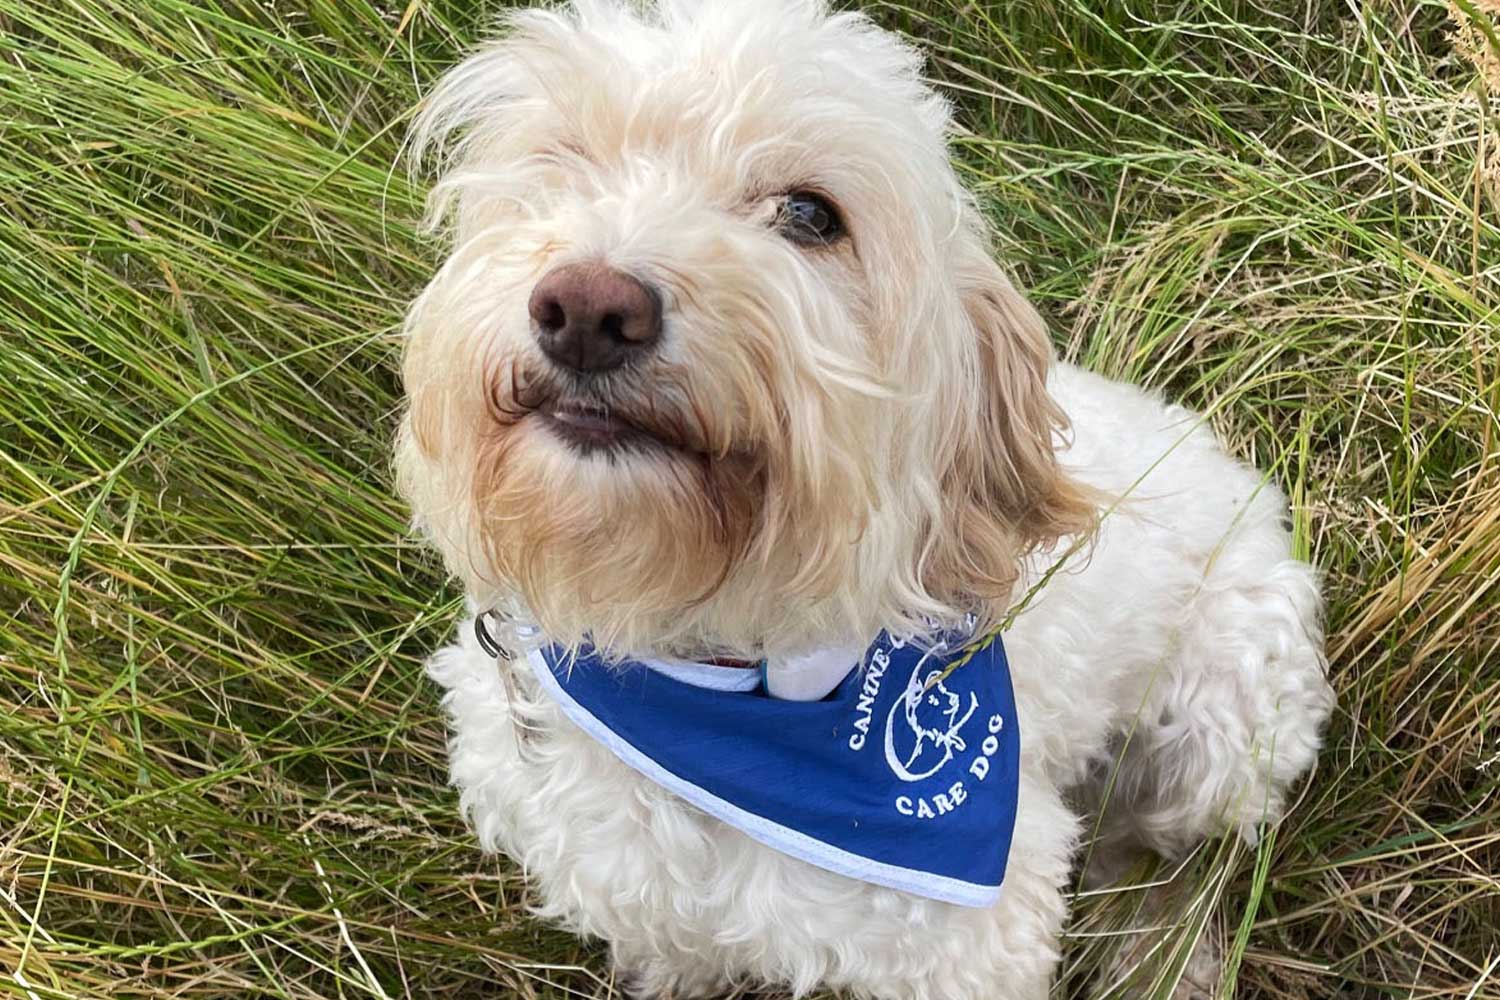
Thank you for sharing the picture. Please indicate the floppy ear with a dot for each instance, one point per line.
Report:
(1004, 491)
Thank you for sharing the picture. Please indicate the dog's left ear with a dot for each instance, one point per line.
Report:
(1005, 491)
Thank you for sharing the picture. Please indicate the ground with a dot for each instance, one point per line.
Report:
(221, 768)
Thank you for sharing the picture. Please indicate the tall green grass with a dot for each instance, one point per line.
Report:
(221, 770)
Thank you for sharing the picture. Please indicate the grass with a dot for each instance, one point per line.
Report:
(222, 768)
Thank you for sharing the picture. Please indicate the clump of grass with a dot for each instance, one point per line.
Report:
(222, 770)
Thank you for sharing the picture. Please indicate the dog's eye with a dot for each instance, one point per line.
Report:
(809, 219)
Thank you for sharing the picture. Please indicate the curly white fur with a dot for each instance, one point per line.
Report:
(862, 437)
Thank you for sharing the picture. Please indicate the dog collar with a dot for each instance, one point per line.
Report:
(900, 776)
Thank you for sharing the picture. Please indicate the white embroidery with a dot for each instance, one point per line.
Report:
(934, 717)
(864, 708)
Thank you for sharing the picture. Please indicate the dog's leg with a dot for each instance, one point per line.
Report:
(891, 948)
(1229, 716)
(1232, 717)
(650, 975)
(789, 926)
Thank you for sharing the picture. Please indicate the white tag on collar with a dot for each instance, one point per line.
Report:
(811, 676)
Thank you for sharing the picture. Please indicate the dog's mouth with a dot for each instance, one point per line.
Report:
(592, 417)
(590, 427)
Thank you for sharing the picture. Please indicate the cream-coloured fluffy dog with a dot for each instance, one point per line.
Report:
(720, 366)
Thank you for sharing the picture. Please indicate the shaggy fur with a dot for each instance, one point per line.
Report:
(868, 435)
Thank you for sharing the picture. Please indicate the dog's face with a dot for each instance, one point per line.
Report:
(719, 358)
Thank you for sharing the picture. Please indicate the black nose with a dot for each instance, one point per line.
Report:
(592, 318)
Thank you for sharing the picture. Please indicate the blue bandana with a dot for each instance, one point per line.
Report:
(899, 777)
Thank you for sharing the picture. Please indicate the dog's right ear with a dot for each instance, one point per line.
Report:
(1005, 491)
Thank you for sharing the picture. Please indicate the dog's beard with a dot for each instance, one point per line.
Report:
(609, 505)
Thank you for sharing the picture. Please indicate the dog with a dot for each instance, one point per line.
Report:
(720, 370)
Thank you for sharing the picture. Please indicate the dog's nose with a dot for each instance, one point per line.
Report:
(592, 318)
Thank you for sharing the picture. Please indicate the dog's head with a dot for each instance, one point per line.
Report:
(719, 358)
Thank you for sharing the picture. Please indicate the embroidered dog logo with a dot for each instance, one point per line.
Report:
(933, 717)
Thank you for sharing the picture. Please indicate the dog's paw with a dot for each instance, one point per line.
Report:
(659, 979)
(1173, 954)
(1204, 969)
